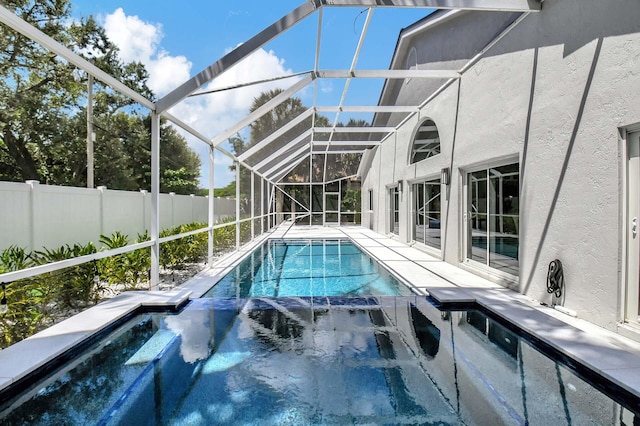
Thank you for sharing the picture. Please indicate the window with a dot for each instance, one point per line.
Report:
(426, 142)
(426, 213)
(492, 215)
(394, 213)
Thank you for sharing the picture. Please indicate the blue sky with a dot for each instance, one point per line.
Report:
(176, 41)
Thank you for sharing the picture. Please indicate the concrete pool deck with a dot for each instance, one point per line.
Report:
(604, 352)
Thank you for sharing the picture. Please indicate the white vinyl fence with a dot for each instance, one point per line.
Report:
(33, 216)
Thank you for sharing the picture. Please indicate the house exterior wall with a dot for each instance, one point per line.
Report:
(439, 48)
(552, 95)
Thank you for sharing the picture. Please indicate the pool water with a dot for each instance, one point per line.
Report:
(308, 268)
(320, 360)
(505, 246)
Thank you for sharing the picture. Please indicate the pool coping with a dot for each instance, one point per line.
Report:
(603, 352)
(608, 354)
(20, 360)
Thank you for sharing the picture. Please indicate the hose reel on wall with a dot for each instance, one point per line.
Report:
(555, 278)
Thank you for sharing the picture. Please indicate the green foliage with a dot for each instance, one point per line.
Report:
(351, 200)
(28, 303)
(33, 302)
(13, 259)
(43, 117)
(337, 165)
(176, 253)
(227, 191)
(69, 286)
(129, 269)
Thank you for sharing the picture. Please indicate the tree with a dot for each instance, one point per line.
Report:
(38, 91)
(43, 126)
(179, 164)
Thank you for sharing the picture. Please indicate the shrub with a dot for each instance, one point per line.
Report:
(68, 286)
(33, 301)
(129, 269)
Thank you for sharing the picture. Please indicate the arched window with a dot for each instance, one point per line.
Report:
(412, 62)
(426, 142)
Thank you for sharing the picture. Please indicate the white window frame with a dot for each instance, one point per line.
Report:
(416, 132)
(631, 243)
(422, 246)
(392, 209)
(465, 261)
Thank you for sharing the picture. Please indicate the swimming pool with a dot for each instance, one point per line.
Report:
(320, 360)
(308, 268)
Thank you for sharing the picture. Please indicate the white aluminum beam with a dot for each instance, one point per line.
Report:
(351, 151)
(204, 139)
(13, 21)
(211, 216)
(9, 277)
(302, 150)
(250, 83)
(465, 68)
(352, 68)
(426, 141)
(292, 199)
(294, 164)
(347, 143)
(281, 131)
(371, 108)
(264, 109)
(316, 64)
(291, 159)
(493, 5)
(155, 201)
(388, 74)
(354, 129)
(236, 55)
(282, 150)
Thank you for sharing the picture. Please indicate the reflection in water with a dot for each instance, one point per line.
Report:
(318, 361)
(427, 334)
(195, 328)
(278, 323)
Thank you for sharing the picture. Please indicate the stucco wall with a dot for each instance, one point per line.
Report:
(551, 95)
(439, 48)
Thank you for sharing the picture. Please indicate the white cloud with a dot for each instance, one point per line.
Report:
(140, 41)
(209, 114)
(214, 113)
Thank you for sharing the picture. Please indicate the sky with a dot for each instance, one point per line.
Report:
(175, 41)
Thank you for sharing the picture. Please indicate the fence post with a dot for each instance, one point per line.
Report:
(143, 193)
(173, 216)
(33, 187)
(102, 190)
(193, 197)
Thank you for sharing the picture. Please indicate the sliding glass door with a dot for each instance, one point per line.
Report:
(426, 213)
(492, 214)
(394, 212)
